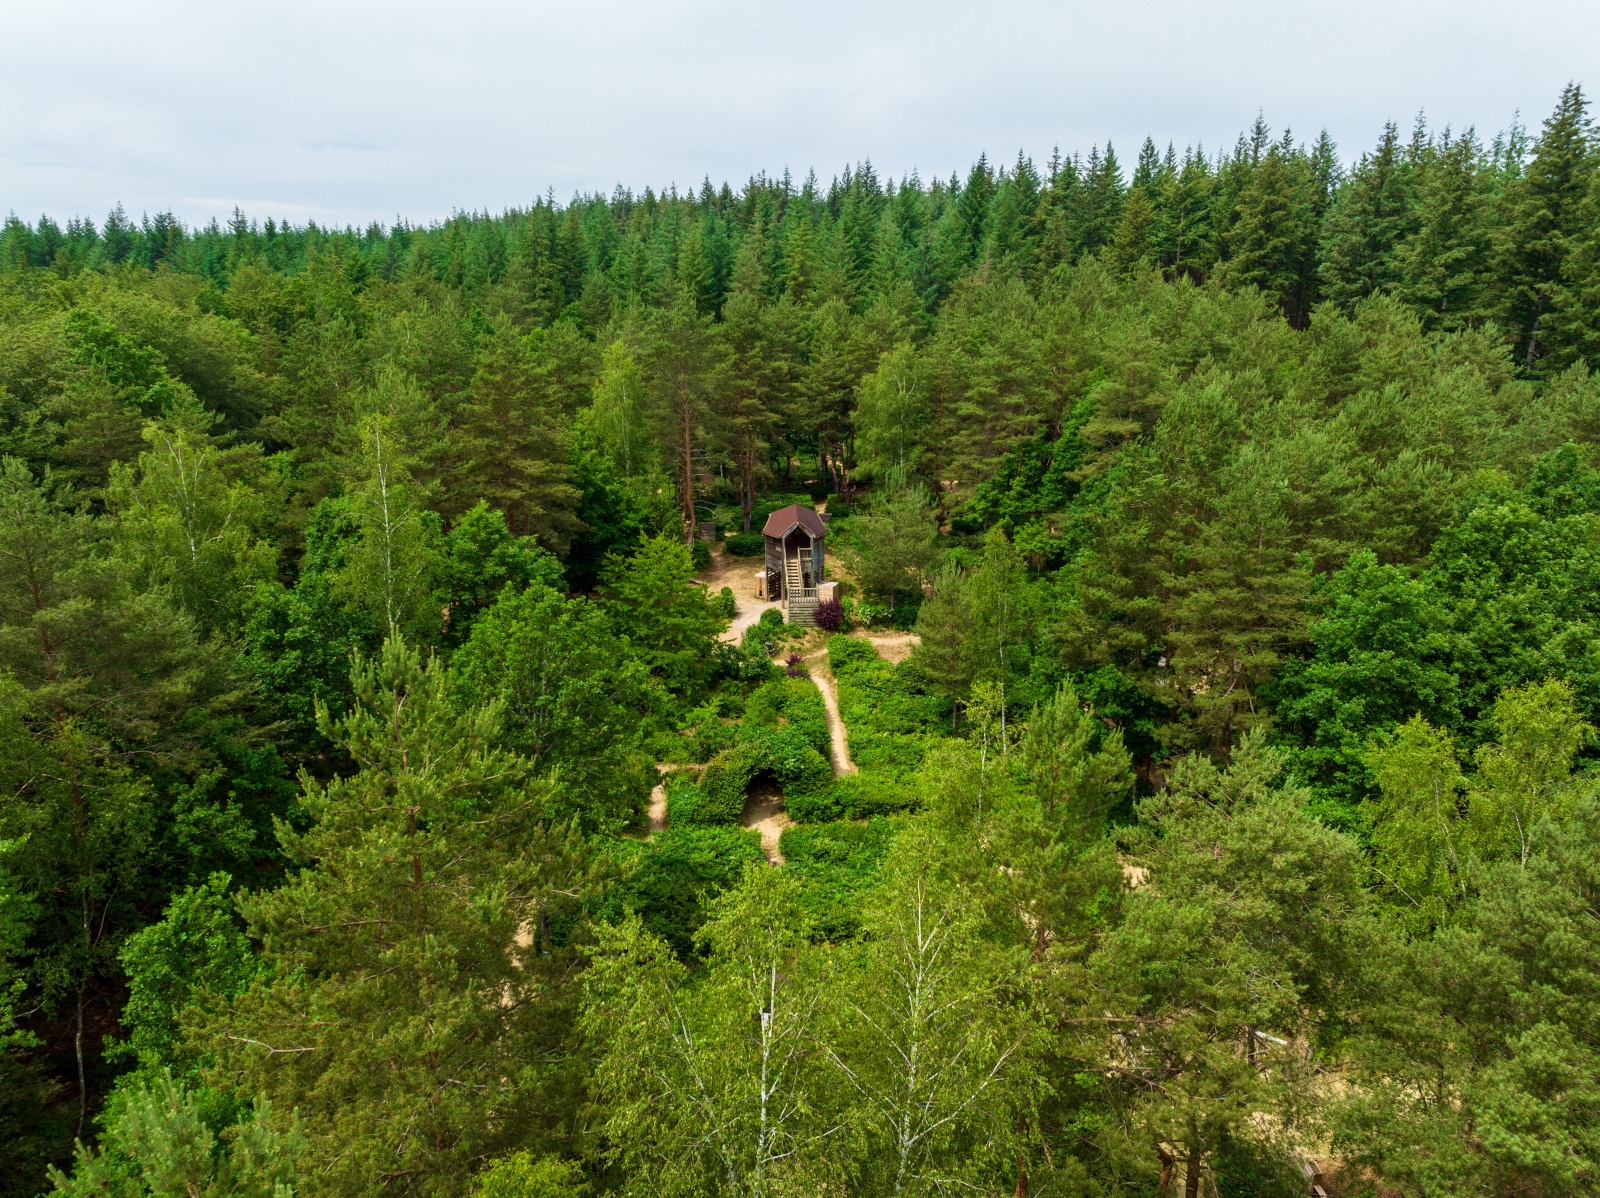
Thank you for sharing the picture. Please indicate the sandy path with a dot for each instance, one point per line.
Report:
(763, 812)
(739, 573)
(893, 647)
(838, 738)
(658, 807)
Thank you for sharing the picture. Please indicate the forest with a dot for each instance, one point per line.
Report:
(1193, 790)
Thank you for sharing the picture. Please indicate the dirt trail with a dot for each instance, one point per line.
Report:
(893, 647)
(838, 738)
(763, 811)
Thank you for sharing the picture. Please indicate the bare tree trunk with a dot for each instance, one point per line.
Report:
(1167, 1161)
(688, 472)
(83, 1085)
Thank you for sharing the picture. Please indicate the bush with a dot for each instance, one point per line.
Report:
(904, 617)
(677, 871)
(870, 794)
(847, 651)
(711, 736)
(874, 614)
(726, 603)
(700, 555)
(771, 618)
(796, 666)
(722, 786)
(683, 802)
(521, 1176)
(745, 544)
(798, 703)
(669, 746)
(815, 807)
(836, 862)
(829, 615)
(858, 848)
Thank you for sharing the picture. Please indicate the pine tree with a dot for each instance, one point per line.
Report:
(416, 1010)
(893, 544)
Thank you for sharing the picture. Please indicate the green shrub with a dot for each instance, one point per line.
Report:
(700, 555)
(765, 703)
(797, 702)
(711, 736)
(789, 756)
(771, 503)
(676, 871)
(814, 807)
(745, 544)
(722, 786)
(898, 754)
(772, 617)
(847, 651)
(857, 848)
(665, 745)
(684, 802)
(871, 793)
(836, 863)
(520, 1175)
(804, 709)
(726, 603)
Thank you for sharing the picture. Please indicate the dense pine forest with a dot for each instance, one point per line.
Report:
(1193, 789)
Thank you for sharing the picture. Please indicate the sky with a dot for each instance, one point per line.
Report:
(346, 111)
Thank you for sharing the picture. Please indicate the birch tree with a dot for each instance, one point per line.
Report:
(711, 1079)
(390, 570)
(929, 1036)
(187, 524)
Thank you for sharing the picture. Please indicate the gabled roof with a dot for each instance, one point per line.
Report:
(786, 519)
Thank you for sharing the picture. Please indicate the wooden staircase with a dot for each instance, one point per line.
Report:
(802, 603)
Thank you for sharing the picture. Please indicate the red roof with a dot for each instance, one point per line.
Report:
(786, 519)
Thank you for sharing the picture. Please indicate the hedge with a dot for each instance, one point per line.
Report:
(783, 752)
(836, 863)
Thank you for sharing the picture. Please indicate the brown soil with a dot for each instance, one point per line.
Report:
(763, 811)
(838, 738)
(893, 647)
(739, 573)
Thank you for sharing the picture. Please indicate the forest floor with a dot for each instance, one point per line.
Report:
(739, 573)
(763, 812)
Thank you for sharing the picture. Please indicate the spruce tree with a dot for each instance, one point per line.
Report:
(1443, 267)
(1371, 219)
(1575, 321)
(1539, 228)
(1270, 244)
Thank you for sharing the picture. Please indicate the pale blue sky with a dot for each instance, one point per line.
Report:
(350, 111)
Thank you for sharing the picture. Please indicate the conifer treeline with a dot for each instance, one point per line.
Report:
(1464, 231)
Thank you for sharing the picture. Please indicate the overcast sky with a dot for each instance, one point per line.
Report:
(351, 111)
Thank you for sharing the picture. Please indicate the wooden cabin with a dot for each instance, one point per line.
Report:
(794, 562)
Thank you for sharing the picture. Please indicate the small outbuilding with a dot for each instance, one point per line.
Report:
(795, 559)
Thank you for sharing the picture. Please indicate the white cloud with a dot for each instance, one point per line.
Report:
(359, 111)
